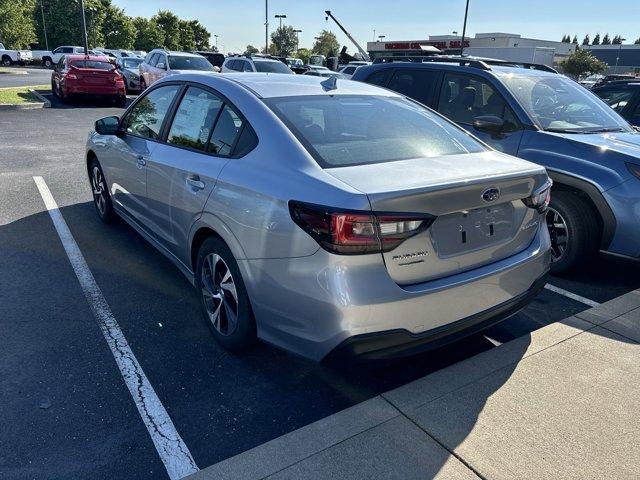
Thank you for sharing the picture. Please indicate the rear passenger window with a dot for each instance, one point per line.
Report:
(154, 59)
(225, 132)
(380, 78)
(462, 98)
(146, 117)
(246, 67)
(416, 84)
(247, 141)
(194, 119)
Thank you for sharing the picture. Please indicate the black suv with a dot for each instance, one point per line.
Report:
(623, 97)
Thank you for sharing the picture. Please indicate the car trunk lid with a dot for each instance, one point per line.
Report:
(477, 202)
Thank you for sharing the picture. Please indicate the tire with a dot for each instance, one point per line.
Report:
(581, 232)
(101, 196)
(6, 61)
(143, 84)
(54, 90)
(121, 102)
(47, 62)
(214, 256)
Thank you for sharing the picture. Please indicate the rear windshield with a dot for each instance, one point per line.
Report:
(94, 64)
(131, 62)
(347, 130)
(271, 67)
(189, 63)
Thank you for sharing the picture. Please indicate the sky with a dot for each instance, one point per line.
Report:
(241, 22)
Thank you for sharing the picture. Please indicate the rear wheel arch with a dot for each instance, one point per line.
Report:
(199, 238)
(90, 157)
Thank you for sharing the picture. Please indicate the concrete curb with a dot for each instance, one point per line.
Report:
(46, 102)
(13, 72)
(386, 436)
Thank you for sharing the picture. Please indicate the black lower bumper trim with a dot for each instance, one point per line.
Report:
(400, 343)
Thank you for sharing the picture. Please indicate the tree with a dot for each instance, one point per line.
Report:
(586, 40)
(201, 35)
(169, 25)
(64, 25)
(250, 50)
(326, 44)
(16, 23)
(606, 40)
(118, 29)
(617, 40)
(285, 40)
(575, 40)
(187, 38)
(303, 54)
(582, 62)
(596, 39)
(566, 39)
(637, 42)
(148, 35)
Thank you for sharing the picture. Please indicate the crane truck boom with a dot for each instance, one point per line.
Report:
(363, 52)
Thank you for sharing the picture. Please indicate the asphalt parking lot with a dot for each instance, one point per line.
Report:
(66, 411)
(34, 76)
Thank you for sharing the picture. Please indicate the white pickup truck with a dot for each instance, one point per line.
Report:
(9, 57)
(49, 59)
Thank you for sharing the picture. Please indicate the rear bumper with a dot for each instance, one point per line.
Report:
(95, 91)
(311, 305)
(401, 343)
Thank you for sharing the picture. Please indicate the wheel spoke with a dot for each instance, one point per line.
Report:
(219, 294)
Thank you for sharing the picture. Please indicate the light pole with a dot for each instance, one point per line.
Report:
(280, 17)
(297, 39)
(44, 26)
(216, 37)
(464, 28)
(380, 37)
(266, 27)
(84, 29)
(619, 52)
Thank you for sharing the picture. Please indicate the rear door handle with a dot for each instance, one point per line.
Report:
(195, 183)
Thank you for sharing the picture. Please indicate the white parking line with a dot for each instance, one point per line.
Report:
(570, 295)
(172, 450)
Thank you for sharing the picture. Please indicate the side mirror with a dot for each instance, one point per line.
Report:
(161, 66)
(107, 126)
(489, 123)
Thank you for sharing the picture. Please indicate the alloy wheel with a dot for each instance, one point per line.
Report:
(559, 233)
(99, 190)
(220, 294)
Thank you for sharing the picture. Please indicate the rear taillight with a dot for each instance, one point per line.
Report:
(351, 233)
(541, 198)
(71, 76)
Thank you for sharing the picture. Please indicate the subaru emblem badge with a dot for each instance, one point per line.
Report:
(491, 195)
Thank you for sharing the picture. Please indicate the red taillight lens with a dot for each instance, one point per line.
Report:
(540, 199)
(351, 233)
(71, 76)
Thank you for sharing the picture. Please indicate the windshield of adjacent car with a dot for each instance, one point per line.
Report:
(189, 63)
(271, 67)
(347, 130)
(94, 64)
(556, 103)
(131, 62)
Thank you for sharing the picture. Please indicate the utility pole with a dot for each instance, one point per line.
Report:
(280, 17)
(266, 27)
(44, 26)
(297, 39)
(619, 53)
(216, 37)
(464, 28)
(84, 29)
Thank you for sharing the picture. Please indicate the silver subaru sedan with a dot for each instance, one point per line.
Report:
(328, 217)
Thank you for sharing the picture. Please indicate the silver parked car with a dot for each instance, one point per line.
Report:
(160, 63)
(325, 216)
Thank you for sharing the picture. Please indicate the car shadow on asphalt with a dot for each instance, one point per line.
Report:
(80, 102)
(245, 399)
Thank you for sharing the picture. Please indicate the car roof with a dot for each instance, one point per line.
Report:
(269, 85)
(498, 70)
(97, 58)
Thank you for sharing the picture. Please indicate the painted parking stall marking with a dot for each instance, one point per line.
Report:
(571, 295)
(169, 444)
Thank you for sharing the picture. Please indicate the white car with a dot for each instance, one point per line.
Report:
(349, 69)
(9, 57)
(253, 64)
(159, 63)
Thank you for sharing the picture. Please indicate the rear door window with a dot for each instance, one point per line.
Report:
(154, 59)
(463, 97)
(380, 78)
(194, 119)
(417, 84)
(146, 117)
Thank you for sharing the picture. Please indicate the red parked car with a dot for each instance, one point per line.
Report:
(89, 76)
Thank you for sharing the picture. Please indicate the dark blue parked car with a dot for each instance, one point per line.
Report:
(623, 97)
(591, 153)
